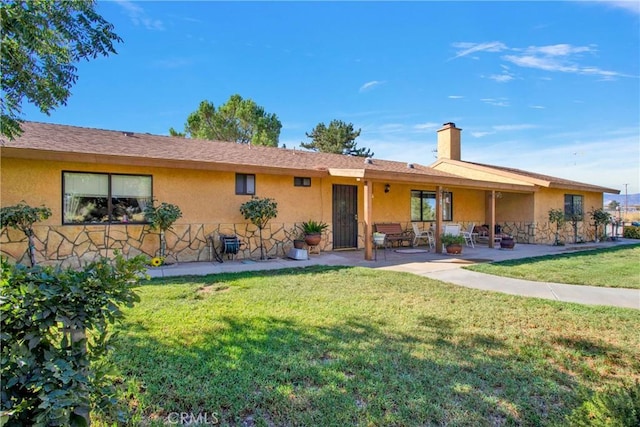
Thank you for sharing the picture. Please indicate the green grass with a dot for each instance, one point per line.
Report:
(617, 267)
(332, 346)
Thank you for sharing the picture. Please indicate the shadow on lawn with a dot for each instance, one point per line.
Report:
(276, 371)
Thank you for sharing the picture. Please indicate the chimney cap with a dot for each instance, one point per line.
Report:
(449, 124)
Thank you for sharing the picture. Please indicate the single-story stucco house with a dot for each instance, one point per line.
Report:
(98, 181)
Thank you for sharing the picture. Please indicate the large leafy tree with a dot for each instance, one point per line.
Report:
(338, 138)
(41, 42)
(239, 120)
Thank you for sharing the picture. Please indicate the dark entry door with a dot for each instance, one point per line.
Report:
(345, 216)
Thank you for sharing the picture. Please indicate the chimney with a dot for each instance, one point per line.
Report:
(449, 142)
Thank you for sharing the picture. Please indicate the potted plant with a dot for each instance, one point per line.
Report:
(507, 242)
(313, 231)
(298, 237)
(452, 242)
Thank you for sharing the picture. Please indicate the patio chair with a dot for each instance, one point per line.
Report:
(468, 235)
(451, 229)
(419, 234)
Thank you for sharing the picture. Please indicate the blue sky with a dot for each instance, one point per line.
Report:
(550, 87)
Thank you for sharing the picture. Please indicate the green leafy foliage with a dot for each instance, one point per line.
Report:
(239, 120)
(22, 217)
(451, 239)
(314, 227)
(163, 216)
(338, 138)
(556, 216)
(613, 407)
(600, 217)
(259, 211)
(631, 232)
(55, 336)
(41, 41)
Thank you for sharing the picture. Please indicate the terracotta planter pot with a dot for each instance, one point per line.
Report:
(507, 243)
(454, 249)
(313, 239)
(298, 244)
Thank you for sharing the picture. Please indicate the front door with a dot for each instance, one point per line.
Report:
(345, 216)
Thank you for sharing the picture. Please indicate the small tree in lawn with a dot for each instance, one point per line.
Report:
(599, 217)
(557, 216)
(22, 217)
(162, 218)
(259, 211)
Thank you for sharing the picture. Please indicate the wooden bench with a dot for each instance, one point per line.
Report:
(394, 233)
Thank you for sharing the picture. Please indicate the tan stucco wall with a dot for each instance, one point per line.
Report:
(553, 198)
(210, 205)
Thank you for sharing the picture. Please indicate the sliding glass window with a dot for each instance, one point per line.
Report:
(104, 198)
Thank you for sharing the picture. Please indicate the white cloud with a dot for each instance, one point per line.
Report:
(632, 6)
(560, 57)
(537, 107)
(455, 97)
(469, 48)
(481, 134)
(509, 128)
(370, 85)
(501, 78)
(139, 17)
(499, 102)
(426, 126)
(562, 49)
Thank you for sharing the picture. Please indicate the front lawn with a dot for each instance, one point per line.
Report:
(333, 346)
(616, 267)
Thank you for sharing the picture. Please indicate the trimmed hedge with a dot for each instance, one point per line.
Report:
(631, 232)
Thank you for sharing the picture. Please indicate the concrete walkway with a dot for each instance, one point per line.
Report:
(442, 267)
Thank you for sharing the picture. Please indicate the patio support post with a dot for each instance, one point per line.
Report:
(368, 226)
(492, 218)
(438, 229)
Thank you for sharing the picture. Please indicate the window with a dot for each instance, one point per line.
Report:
(573, 207)
(299, 181)
(104, 198)
(423, 206)
(245, 184)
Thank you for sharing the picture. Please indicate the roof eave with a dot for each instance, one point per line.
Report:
(34, 154)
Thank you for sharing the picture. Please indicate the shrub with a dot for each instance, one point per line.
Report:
(55, 337)
(631, 232)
